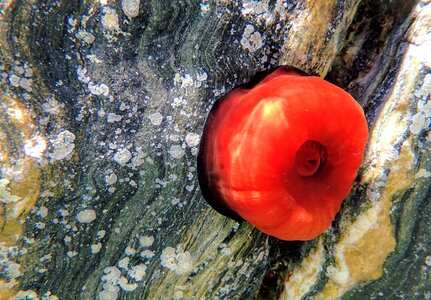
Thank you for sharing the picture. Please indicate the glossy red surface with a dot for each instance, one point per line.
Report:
(284, 154)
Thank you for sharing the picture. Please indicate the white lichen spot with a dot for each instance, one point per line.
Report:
(129, 251)
(112, 274)
(42, 212)
(202, 77)
(110, 19)
(178, 102)
(14, 80)
(98, 89)
(82, 72)
(138, 159)
(133, 183)
(18, 69)
(192, 139)
(101, 234)
(26, 84)
(86, 216)
(13, 270)
(425, 87)
(185, 80)
(18, 171)
(254, 7)
(113, 118)
(110, 280)
(124, 263)
(85, 36)
(111, 179)
(137, 272)
(35, 147)
(95, 248)
(419, 123)
(5, 195)
(176, 260)
(40, 225)
(122, 156)
(176, 151)
(422, 119)
(156, 118)
(174, 137)
(168, 258)
(130, 7)
(62, 145)
(424, 106)
(71, 254)
(147, 254)
(28, 71)
(125, 285)
(251, 40)
(72, 21)
(123, 106)
(205, 7)
(52, 106)
(10, 269)
(16, 114)
(146, 241)
(108, 295)
(93, 59)
(47, 257)
(261, 11)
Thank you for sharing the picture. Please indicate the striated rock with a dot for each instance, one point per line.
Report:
(102, 107)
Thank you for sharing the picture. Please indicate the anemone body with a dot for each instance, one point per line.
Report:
(282, 155)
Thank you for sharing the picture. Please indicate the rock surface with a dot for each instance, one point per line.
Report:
(102, 107)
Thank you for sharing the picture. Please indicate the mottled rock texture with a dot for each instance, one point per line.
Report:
(102, 106)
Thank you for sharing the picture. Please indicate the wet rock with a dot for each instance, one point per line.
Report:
(102, 106)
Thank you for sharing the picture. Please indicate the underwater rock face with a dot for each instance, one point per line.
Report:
(102, 108)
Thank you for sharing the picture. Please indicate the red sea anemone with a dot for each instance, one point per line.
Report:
(282, 155)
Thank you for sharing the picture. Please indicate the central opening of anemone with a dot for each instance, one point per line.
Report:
(310, 158)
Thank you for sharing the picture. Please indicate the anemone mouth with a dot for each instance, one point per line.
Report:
(310, 158)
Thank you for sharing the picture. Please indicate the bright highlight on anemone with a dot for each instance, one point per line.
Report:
(283, 154)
